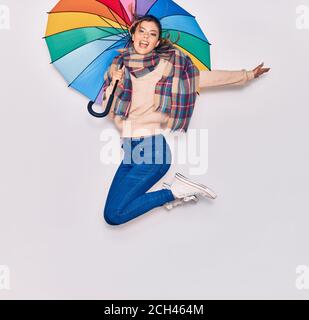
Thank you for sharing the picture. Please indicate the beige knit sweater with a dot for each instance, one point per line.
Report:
(142, 120)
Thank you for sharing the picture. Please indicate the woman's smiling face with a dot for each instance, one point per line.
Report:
(146, 37)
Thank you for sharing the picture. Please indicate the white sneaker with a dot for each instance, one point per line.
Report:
(182, 187)
(177, 202)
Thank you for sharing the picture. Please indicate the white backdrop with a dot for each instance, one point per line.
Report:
(245, 244)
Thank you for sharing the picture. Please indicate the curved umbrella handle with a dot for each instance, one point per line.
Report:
(108, 106)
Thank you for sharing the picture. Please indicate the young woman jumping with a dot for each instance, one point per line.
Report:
(157, 89)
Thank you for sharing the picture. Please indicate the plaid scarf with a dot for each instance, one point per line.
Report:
(175, 92)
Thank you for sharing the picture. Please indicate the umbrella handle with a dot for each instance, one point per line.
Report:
(108, 106)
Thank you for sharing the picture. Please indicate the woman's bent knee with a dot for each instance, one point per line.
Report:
(112, 217)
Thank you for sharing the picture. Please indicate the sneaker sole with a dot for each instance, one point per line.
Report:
(211, 194)
(186, 199)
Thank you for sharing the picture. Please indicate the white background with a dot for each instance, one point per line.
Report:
(245, 244)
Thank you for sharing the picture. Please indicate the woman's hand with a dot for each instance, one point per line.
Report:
(259, 70)
(117, 75)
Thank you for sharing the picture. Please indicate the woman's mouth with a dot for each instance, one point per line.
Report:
(143, 44)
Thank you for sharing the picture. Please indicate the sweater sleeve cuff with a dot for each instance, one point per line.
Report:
(250, 75)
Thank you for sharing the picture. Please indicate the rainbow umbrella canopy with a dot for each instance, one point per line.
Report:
(83, 37)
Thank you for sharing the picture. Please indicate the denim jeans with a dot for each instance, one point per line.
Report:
(146, 160)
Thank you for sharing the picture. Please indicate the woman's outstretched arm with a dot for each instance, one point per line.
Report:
(216, 78)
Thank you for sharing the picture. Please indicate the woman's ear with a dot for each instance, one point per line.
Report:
(158, 43)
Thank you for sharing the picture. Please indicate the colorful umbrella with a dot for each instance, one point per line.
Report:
(83, 37)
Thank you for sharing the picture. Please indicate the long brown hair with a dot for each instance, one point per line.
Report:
(165, 43)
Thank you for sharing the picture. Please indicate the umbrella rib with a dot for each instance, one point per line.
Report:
(99, 39)
(147, 12)
(151, 7)
(103, 18)
(88, 12)
(57, 33)
(193, 55)
(103, 81)
(124, 13)
(178, 14)
(112, 46)
(116, 19)
(127, 42)
(113, 34)
(109, 48)
(112, 13)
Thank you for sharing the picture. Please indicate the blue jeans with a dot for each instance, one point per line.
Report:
(145, 162)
